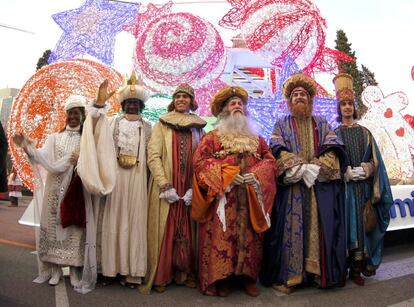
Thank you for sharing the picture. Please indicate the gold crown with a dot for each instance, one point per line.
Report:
(133, 89)
(220, 98)
(133, 79)
(344, 88)
(299, 80)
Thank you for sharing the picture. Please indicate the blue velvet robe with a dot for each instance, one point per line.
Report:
(361, 147)
(284, 248)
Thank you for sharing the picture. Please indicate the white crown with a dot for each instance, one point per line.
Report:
(133, 89)
(75, 101)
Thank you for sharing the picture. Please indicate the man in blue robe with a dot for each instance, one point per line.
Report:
(306, 241)
(368, 196)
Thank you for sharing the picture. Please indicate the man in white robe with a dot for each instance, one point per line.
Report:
(124, 216)
(57, 245)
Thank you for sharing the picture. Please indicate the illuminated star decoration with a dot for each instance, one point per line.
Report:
(91, 29)
(142, 20)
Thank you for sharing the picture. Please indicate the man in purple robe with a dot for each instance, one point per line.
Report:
(306, 242)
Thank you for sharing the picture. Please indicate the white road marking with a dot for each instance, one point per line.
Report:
(61, 296)
(407, 303)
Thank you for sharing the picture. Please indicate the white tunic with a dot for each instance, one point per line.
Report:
(97, 170)
(57, 245)
(124, 226)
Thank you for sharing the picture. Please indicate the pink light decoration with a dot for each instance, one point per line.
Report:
(277, 29)
(328, 62)
(142, 20)
(176, 48)
(38, 109)
(204, 94)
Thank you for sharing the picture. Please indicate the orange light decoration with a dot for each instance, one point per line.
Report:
(38, 109)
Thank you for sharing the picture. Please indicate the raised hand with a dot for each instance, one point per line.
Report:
(103, 94)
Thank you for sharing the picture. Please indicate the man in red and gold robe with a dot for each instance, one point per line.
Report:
(233, 192)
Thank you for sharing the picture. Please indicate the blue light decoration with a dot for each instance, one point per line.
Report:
(91, 29)
(266, 111)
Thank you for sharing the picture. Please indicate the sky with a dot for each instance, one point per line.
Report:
(380, 32)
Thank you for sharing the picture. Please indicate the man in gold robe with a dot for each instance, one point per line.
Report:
(170, 230)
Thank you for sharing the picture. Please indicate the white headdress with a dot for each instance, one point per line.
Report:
(133, 89)
(75, 101)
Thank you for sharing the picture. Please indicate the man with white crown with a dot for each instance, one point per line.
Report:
(123, 220)
(61, 239)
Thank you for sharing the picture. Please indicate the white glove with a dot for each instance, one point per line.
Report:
(310, 174)
(360, 173)
(293, 174)
(348, 174)
(249, 178)
(170, 195)
(238, 180)
(188, 197)
(351, 174)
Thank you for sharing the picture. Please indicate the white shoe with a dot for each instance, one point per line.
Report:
(57, 273)
(41, 279)
(74, 277)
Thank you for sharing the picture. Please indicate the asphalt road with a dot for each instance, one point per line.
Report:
(392, 286)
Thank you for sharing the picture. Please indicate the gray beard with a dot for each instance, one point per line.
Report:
(236, 123)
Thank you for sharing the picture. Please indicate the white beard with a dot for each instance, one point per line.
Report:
(237, 124)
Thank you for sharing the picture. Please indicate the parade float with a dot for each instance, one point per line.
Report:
(272, 40)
